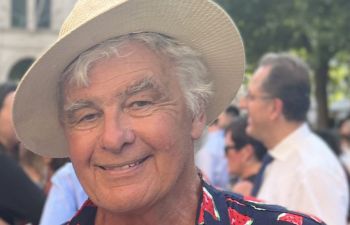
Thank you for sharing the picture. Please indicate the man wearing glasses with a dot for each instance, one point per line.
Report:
(304, 175)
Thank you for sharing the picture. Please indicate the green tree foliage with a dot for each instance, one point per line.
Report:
(319, 30)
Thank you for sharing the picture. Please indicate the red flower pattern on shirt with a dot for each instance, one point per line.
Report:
(208, 205)
(238, 219)
(291, 218)
(222, 208)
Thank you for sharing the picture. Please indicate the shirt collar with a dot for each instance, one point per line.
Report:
(284, 149)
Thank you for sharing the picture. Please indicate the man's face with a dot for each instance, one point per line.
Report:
(257, 104)
(344, 132)
(129, 132)
(234, 157)
(7, 131)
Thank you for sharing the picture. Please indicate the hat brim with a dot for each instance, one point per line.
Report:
(203, 25)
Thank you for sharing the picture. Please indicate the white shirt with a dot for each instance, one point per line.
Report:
(65, 197)
(211, 160)
(306, 176)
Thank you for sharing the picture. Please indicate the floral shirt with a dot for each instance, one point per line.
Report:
(223, 208)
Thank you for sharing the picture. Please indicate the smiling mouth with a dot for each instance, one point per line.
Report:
(124, 166)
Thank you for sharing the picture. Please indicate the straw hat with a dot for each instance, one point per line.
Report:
(201, 24)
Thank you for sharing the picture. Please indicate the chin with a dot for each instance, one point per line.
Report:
(128, 199)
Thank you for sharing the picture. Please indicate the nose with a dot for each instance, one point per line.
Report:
(117, 133)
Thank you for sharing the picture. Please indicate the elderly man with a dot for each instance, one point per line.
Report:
(304, 174)
(125, 92)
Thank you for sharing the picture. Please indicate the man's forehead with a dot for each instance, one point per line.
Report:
(147, 81)
(259, 77)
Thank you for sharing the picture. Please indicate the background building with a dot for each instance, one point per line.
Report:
(27, 28)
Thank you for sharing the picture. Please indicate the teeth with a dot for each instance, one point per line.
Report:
(121, 167)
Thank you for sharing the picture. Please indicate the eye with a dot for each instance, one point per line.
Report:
(140, 104)
(88, 118)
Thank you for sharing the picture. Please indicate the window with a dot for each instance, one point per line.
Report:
(19, 13)
(43, 13)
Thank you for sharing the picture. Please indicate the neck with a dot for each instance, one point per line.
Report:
(280, 131)
(178, 207)
(251, 169)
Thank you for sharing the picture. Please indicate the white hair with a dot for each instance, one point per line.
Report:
(188, 66)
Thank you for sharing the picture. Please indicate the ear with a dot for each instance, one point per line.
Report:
(198, 125)
(247, 152)
(277, 109)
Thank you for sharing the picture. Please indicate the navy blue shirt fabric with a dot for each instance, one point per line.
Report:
(20, 198)
(223, 208)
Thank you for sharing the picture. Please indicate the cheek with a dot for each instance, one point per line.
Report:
(81, 146)
(166, 130)
(170, 142)
(232, 160)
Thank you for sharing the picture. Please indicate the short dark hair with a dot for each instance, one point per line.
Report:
(331, 140)
(5, 89)
(289, 81)
(241, 138)
(232, 110)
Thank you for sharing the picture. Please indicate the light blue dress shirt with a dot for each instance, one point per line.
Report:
(65, 197)
(211, 160)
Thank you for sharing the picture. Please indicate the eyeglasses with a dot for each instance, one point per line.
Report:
(229, 147)
(345, 137)
(250, 97)
(233, 147)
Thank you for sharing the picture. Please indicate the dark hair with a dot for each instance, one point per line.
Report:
(289, 81)
(57, 163)
(241, 138)
(232, 110)
(5, 89)
(331, 140)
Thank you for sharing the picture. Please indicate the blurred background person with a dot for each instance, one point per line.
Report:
(210, 159)
(65, 197)
(34, 166)
(21, 200)
(53, 165)
(344, 134)
(2, 222)
(333, 142)
(8, 138)
(303, 173)
(244, 155)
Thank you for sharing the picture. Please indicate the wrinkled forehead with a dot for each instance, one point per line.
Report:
(128, 52)
(142, 68)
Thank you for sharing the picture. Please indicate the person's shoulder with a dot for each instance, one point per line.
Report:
(251, 209)
(65, 175)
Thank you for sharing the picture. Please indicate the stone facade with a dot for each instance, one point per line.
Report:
(21, 44)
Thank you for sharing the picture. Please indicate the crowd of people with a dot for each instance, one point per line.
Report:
(108, 135)
(303, 169)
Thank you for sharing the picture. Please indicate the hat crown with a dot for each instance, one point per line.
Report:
(200, 24)
(84, 11)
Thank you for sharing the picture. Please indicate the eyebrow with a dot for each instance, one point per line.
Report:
(77, 105)
(147, 83)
